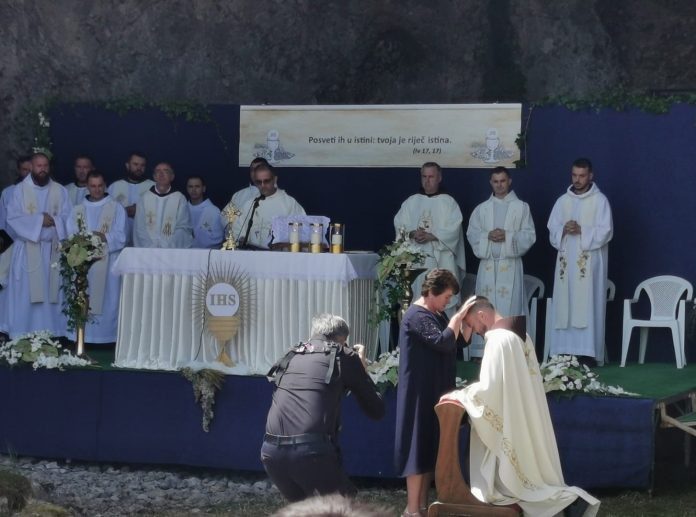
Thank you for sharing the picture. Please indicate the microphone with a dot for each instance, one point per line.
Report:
(251, 217)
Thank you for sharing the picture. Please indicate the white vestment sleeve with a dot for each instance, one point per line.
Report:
(600, 233)
(183, 232)
(140, 236)
(518, 242)
(116, 236)
(477, 235)
(27, 227)
(555, 224)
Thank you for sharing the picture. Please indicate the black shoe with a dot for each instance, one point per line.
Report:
(577, 508)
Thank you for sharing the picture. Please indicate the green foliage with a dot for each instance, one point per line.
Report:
(16, 488)
(206, 383)
(620, 99)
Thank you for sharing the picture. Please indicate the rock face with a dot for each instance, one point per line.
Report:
(308, 52)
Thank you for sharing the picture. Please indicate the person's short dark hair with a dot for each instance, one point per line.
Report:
(257, 161)
(39, 153)
(583, 163)
(438, 281)
(481, 303)
(265, 167)
(83, 156)
(137, 153)
(334, 505)
(432, 164)
(23, 159)
(330, 325)
(164, 162)
(96, 174)
(195, 177)
(499, 170)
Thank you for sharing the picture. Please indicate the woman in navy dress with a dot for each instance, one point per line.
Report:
(427, 370)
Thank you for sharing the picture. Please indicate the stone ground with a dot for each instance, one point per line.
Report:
(112, 490)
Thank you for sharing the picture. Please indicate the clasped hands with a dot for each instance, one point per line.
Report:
(421, 236)
(497, 235)
(571, 228)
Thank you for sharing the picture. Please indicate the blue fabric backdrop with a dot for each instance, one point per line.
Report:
(644, 163)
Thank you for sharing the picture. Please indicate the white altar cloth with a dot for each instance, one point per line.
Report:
(157, 328)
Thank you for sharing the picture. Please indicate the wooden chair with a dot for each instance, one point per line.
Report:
(454, 498)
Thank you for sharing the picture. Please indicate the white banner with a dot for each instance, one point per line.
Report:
(454, 135)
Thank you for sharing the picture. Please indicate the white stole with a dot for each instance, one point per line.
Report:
(34, 265)
(581, 283)
(98, 271)
(169, 216)
(502, 270)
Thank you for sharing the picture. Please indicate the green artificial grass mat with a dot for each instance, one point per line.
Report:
(650, 380)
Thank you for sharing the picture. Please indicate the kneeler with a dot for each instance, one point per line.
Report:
(454, 498)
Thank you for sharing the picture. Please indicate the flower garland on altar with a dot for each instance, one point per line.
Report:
(41, 350)
(206, 383)
(565, 374)
(384, 371)
(77, 254)
(394, 260)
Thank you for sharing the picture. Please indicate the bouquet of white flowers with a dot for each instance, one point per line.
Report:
(395, 261)
(566, 374)
(384, 372)
(77, 254)
(40, 350)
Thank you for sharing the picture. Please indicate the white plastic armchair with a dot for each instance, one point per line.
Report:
(667, 295)
(533, 289)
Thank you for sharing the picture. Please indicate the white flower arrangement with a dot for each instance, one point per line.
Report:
(42, 137)
(395, 261)
(41, 350)
(565, 373)
(384, 372)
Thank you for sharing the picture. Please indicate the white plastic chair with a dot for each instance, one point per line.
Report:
(533, 289)
(666, 294)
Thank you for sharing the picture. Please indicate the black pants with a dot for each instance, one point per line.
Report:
(301, 471)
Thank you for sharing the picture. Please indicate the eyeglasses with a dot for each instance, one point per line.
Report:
(269, 181)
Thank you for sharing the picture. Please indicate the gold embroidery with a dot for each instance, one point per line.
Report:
(563, 266)
(496, 423)
(486, 291)
(31, 208)
(582, 263)
(503, 292)
(167, 228)
(150, 218)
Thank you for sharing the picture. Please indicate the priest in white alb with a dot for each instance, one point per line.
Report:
(77, 189)
(433, 222)
(249, 192)
(162, 217)
(205, 216)
(500, 232)
(127, 191)
(580, 228)
(252, 229)
(104, 216)
(36, 213)
(513, 455)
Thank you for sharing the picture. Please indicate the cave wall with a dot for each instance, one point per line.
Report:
(314, 52)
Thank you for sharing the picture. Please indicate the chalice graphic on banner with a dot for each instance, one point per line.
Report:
(221, 304)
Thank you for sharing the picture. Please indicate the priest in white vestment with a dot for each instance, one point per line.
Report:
(580, 228)
(107, 218)
(500, 232)
(23, 170)
(77, 189)
(205, 216)
(127, 191)
(433, 222)
(36, 213)
(513, 454)
(252, 229)
(162, 217)
(251, 192)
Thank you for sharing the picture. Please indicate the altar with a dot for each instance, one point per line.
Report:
(160, 326)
